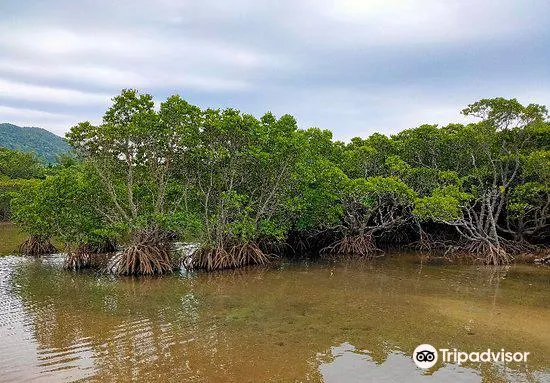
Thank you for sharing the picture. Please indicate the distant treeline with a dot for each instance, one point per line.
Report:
(245, 188)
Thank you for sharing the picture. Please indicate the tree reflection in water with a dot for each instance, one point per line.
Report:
(295, 322)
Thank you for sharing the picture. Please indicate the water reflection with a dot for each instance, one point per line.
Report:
(291, 323)
(349, 365)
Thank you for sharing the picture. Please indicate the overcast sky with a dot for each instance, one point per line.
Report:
(354, 67)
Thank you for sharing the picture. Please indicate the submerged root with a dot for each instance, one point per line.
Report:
(273, 247)
(354, 245)
(426, 243)
(78, 258)
(249, 254)
(542, 260)
(519, 247)
(142, 259)
(483, 251)
(37, 245)
(211, 259)
(148, 254)
(496, 255)
(218, 257)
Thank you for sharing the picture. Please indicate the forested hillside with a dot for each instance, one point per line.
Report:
(45, 144)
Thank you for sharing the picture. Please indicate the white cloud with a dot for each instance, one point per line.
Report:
(47, 41)
(288, 56)
(92, 74)
(114, 78)
(116, 58)
(397, 23)
(7, 112)
(12, 90)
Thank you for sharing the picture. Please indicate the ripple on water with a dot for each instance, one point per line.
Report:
(287, 324)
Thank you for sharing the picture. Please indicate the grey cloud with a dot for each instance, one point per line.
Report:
(352, 66)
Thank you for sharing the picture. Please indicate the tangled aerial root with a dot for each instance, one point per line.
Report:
(218, 257)
(425, 243)
(353, 245)
(78, 258)
(37, 245)
(148, 254)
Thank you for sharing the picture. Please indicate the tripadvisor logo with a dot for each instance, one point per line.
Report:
(426, 355)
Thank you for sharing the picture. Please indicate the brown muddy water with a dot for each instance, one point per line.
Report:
(288, 323)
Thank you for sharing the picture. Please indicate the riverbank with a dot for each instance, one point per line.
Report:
(11, 237)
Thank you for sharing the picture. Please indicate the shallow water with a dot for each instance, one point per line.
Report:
(292, 322)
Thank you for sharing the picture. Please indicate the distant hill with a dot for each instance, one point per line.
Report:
(40, 141)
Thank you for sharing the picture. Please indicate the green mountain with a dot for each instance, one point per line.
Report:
(28, 139)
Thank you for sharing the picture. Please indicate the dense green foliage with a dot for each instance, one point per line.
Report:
(43, 143)
(63, 206)
(241, 186)
(16, 169)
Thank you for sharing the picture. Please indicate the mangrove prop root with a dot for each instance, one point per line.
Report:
(483, 251)
(543, 260)
(353, 245)
(148, 254)
(426, 243)
(219, 257)
(143, 259)
(78, 258)
(37, 245)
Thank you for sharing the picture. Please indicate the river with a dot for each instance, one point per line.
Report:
(293, 322)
